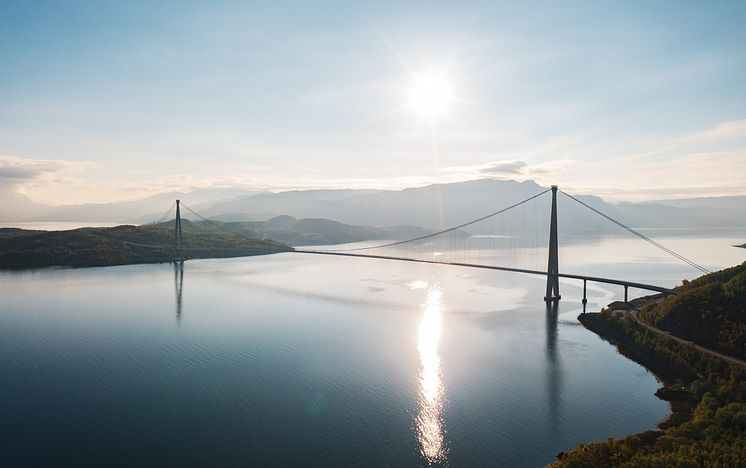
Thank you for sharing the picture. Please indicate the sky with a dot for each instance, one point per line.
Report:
(104, 101)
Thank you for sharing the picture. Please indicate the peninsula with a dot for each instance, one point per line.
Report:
(694, 342)
(122, 245)
(128, 244)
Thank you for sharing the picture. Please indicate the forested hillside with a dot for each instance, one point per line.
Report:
(710, 311)
(125, 245)
(707, 393)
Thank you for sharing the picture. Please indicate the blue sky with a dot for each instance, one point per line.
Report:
(103, 101)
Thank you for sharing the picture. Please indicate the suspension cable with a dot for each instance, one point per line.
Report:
(210, 222)
(163, 218)
(427, 236)
(640, 235)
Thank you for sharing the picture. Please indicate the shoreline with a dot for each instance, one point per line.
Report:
(183, 258)
(682, 404)
(705, 388)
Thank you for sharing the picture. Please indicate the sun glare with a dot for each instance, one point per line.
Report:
(431, 95)
(432, 396)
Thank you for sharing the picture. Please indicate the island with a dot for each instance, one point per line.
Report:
(695, 343)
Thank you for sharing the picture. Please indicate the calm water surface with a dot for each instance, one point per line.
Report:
(294, 359)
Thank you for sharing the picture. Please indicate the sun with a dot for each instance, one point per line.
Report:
(431, 95)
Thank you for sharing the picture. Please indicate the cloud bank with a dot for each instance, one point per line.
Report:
(19, 174)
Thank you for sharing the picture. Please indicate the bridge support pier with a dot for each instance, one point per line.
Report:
(625, 293)
(553, 293)
(585, 298)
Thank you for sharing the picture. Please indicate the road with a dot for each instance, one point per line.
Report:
(731, 359)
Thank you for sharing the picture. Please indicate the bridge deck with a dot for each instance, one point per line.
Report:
(596, 279)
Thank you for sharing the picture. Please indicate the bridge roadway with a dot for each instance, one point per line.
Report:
(595, 279)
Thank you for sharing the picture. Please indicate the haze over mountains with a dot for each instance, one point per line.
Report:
(17, 207)
(430, 207)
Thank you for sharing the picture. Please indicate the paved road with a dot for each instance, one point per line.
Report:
(733, 360)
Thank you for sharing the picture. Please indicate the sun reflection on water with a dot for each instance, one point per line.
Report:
(429, 419)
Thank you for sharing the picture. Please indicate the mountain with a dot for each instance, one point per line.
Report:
(17, 207)
(729, 210)
(442, 205)
(431, 207)
(653, 215)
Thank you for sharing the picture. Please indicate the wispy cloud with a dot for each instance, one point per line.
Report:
(509, 169)
(722, 131)
(501, 168)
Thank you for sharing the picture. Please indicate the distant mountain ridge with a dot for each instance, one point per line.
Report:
(443, 205)
(318, 231)
(731, 208)
(431, 207)
(17, 207)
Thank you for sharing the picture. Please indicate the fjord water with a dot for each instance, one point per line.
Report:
(296, 359)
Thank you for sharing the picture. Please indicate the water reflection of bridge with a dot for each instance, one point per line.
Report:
(179, 287)
(553, 365)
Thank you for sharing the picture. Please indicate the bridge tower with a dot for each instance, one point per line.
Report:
(177, 227)
(553, 293)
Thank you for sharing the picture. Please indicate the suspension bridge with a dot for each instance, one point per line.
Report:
(487, 243)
